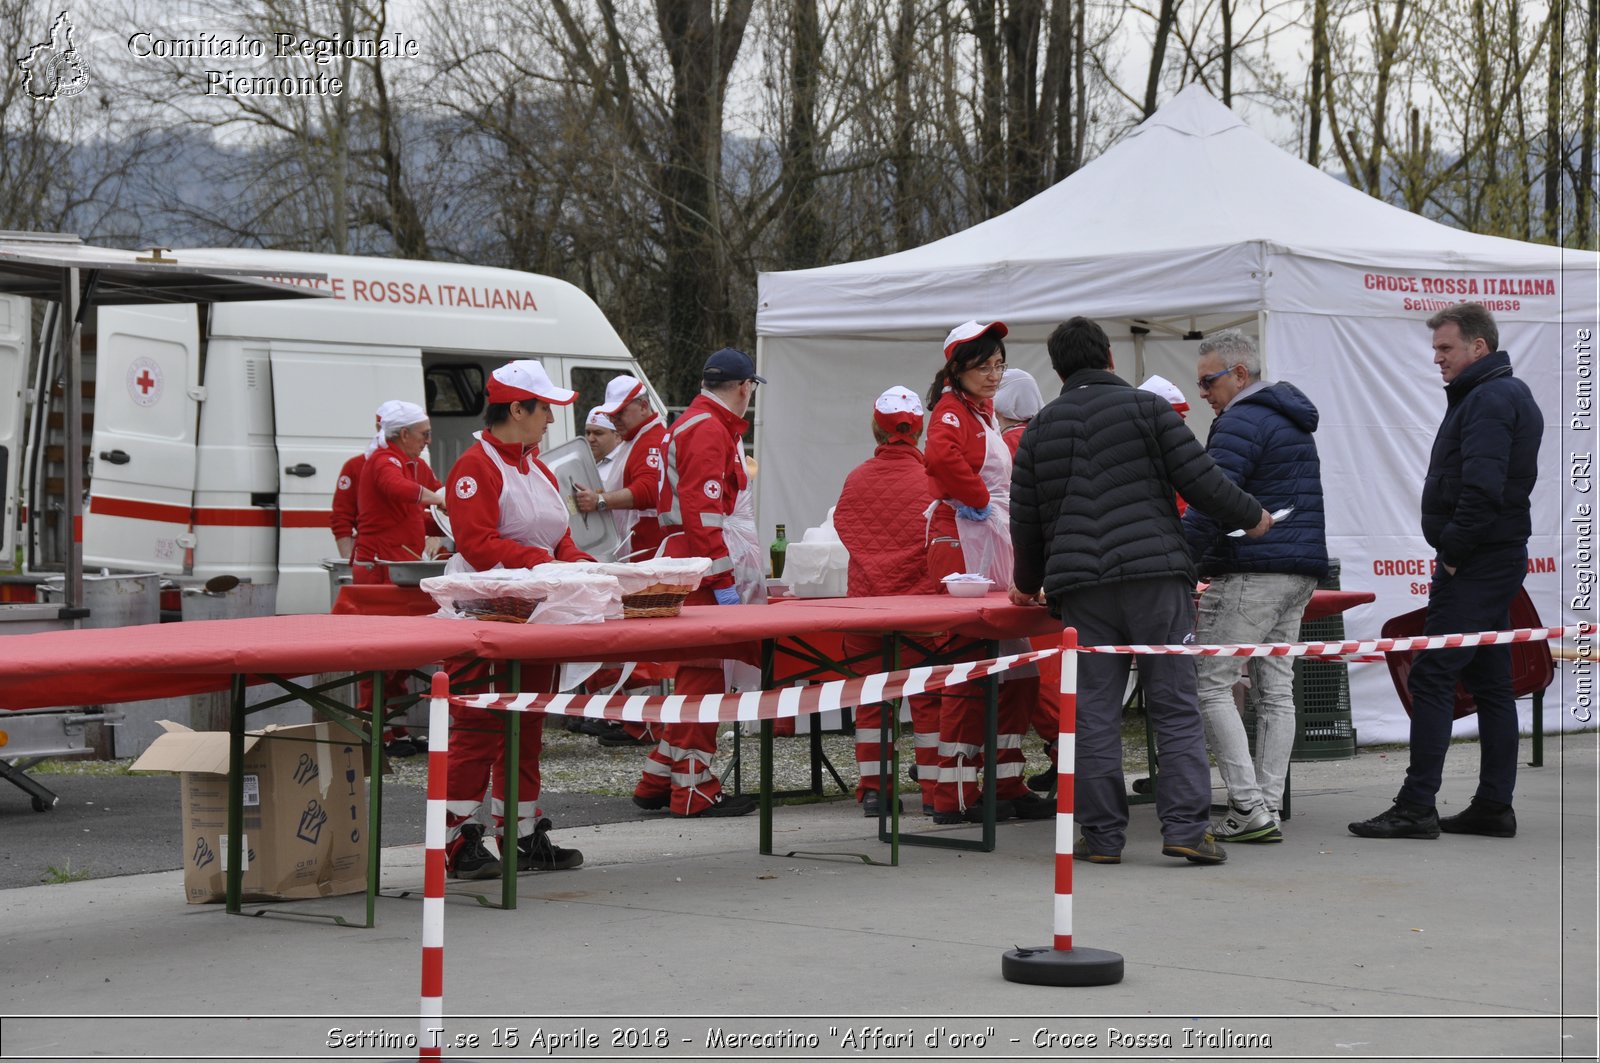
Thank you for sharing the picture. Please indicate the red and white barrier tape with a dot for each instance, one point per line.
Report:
(756, 704)
(1356, 646)
(887, 686)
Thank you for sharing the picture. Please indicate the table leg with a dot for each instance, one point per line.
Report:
(991, 747)
(512, 787)
(234, 877)
(766, 787)
(375, 798)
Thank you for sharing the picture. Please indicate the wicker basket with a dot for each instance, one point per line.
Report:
(505, 610)
(658, 599)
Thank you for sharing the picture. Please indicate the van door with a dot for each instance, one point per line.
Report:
(323, 398)
(15, 321)
(141, 488)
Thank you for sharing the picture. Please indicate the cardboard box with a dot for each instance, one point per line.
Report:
(305, 810)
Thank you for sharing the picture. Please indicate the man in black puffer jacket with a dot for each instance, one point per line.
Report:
(1259, 588)
(1475, 514)
(1095, 525)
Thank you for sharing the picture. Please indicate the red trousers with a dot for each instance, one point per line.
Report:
(869, 721)
(476, 757)
(961, 712)
(679, 768)
(393, 682)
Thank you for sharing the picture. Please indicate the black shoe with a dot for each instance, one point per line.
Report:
(401, 748)
(619, 738)
(470, 858)
(1402, 820)
(651, 804)
(1480, 818)
(872, 804)
(537, 853)
(974, 814)
(1044, 782)
(726, 805)
(1145, 785)
(1032, 806)
(911, 773)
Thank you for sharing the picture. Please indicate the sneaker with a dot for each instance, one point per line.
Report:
(401, 748)
(1204, 851)
(726, 805)
(974, 814)
(1481, 818)
(1402, 820)
(1032, 806)
(1247, 825)
(1081, 851)
(469, 858)
(872, 804)
(1044, 782)
(537, 853)
(619, 738)
(651, 804)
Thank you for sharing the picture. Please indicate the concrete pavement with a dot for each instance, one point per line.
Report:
(678, 940)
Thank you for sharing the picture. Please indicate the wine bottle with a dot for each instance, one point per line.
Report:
(779, 546)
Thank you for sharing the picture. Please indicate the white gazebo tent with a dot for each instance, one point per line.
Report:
(1192, 223)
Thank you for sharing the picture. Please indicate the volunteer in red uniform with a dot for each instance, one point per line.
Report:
(392, 524)
(347, 490)
(506, 512)
(880, 519)
(702, 474)
(969, 474)
(633, 500)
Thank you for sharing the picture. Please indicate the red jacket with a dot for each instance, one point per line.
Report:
(880, 520)
(392, 524)
(347, 498)
(1013, 436)
(701, 476)
(956, 449)
(475, 509)
(642, 475)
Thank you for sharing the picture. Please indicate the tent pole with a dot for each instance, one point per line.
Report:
(72, 461)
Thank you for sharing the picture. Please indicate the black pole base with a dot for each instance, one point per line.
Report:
(1050, 966)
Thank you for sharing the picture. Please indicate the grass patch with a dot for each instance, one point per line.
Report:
(82, 766)
(54, 875)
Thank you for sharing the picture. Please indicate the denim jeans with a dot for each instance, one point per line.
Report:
(1251, 608)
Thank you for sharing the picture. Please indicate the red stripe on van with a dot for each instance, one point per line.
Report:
(215, 517)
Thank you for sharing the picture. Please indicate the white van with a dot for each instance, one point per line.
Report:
(219, 431)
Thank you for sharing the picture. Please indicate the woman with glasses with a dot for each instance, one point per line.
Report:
(969, 473)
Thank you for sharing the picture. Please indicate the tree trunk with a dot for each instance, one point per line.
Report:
(905, 209)
(801, 239)
(701, 51)
(1025, 148)
(1585, 234)
(1319, 71)
(1158, 53)
(1554, 147)
(991, 176)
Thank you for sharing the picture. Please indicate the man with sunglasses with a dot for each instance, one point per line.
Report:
(1258, 588)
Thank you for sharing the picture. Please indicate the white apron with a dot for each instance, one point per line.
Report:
(532, 511)
(611, 480)
(986, 545)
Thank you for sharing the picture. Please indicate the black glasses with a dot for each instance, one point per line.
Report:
(1205, 382)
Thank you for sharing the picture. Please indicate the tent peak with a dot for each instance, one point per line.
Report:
(1193, 112)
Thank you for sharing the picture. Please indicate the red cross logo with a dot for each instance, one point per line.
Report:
(145, 381)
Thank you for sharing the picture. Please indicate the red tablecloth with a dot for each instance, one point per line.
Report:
(166, 660)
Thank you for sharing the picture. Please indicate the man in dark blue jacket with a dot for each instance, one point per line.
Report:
(1261, 440)
(1475, 514)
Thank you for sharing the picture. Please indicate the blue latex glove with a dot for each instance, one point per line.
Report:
(968, 513)
(726, 596)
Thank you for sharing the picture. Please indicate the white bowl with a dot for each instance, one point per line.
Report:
(968, 588)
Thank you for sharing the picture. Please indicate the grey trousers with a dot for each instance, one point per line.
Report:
(1155, 612)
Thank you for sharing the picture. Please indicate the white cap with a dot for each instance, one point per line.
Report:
(1160, 385)
(599, 420)
(899, 400)
(385, 409)
(1018, 397)
(619, 392)
(526, 379)
(402, 415)
(971, 330)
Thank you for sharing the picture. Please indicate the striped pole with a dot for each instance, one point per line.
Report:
(431, 1040)
(1061, 964)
